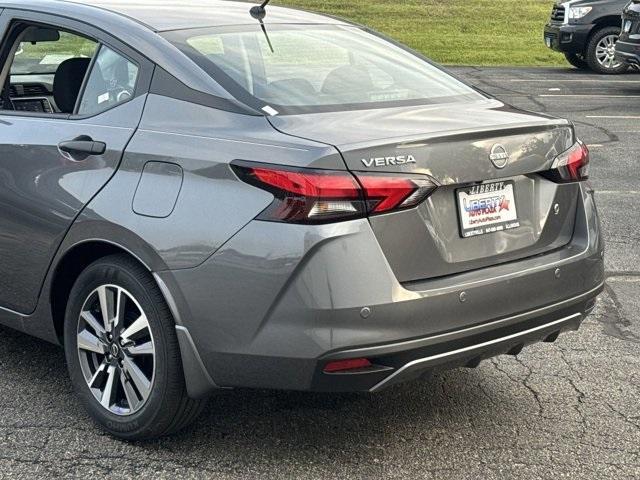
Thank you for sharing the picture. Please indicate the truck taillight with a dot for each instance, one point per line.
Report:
(570, 166)
(323, 196)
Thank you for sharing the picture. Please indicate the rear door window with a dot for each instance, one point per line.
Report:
(112, 81)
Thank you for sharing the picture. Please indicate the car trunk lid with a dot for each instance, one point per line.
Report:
(460, 146)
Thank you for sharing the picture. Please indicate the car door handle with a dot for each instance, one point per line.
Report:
(84, 146)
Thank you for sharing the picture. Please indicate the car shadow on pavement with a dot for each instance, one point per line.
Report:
(264, 420)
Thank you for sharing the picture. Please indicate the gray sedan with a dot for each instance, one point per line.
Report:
(198, 196)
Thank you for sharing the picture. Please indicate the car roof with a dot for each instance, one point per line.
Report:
(136, 23)
(164, 15)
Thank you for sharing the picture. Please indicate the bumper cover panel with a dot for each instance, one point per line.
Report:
(567, 38)
(628, 52)
(460, 348)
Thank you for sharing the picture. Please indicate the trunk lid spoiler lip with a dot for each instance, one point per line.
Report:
(461, 134)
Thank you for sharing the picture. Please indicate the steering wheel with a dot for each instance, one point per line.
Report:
(123, 95)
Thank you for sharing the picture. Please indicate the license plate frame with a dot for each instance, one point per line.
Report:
(486, 208)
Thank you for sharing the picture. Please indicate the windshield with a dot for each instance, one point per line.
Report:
(43, 58)
(308, 68)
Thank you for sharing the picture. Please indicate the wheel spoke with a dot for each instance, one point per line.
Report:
(136, 375)
(99, 372)
(129, 392)
(121, 302)
(144, 349)
(109, 388)
(91, 320)
(107, 308)
(89, 342)
(140, 324)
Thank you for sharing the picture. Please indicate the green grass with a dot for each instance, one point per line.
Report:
(462, 32)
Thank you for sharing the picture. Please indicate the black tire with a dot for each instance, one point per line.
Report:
(167, 408)
(591, 52)
(577, 61)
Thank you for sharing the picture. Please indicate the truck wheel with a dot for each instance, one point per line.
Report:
(601, 51)
(577, 61)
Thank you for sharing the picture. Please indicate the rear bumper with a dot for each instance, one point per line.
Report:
(464, 348)
(628, 52)
(278, 302)
(567, 38)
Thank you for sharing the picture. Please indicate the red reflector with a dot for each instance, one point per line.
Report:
(345, 365)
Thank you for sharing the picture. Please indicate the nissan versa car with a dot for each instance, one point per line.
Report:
(586, 31)
(628, 47)
(203, 195)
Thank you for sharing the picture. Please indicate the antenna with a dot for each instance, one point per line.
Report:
(259, 13)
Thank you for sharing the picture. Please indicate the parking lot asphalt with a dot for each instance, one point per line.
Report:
(563, 410)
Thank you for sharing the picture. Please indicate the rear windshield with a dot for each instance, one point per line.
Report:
(312, 68)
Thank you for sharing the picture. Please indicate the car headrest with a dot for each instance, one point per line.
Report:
(341, 80)
(68, 81)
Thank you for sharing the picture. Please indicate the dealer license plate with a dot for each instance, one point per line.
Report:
(487, 208)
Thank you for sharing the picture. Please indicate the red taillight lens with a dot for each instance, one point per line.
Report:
(306, 196)
(323, 196)
(571, 166)
(346, 365)
(386, 193)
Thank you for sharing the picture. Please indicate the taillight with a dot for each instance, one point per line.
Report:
(386, 193)
(570, 166)
(322, 196)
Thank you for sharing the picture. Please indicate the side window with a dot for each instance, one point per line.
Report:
(45, 70)
(112, 81)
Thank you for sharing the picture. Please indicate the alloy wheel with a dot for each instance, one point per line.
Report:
(605, 52)
(116, 350)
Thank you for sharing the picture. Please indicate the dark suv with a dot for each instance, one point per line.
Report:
(628, 47)
(586, 31)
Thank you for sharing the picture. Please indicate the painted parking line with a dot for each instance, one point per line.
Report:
(618, 192)
(622, 117)
(589, 96)
(526, 80)
(624, 279)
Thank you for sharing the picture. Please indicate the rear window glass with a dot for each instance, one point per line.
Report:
(318, 67)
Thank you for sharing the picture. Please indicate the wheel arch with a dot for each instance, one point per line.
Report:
(82, 254)
(73, 262)
(600, 24)
(606, 21)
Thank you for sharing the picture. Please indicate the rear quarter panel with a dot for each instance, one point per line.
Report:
(212, 205)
